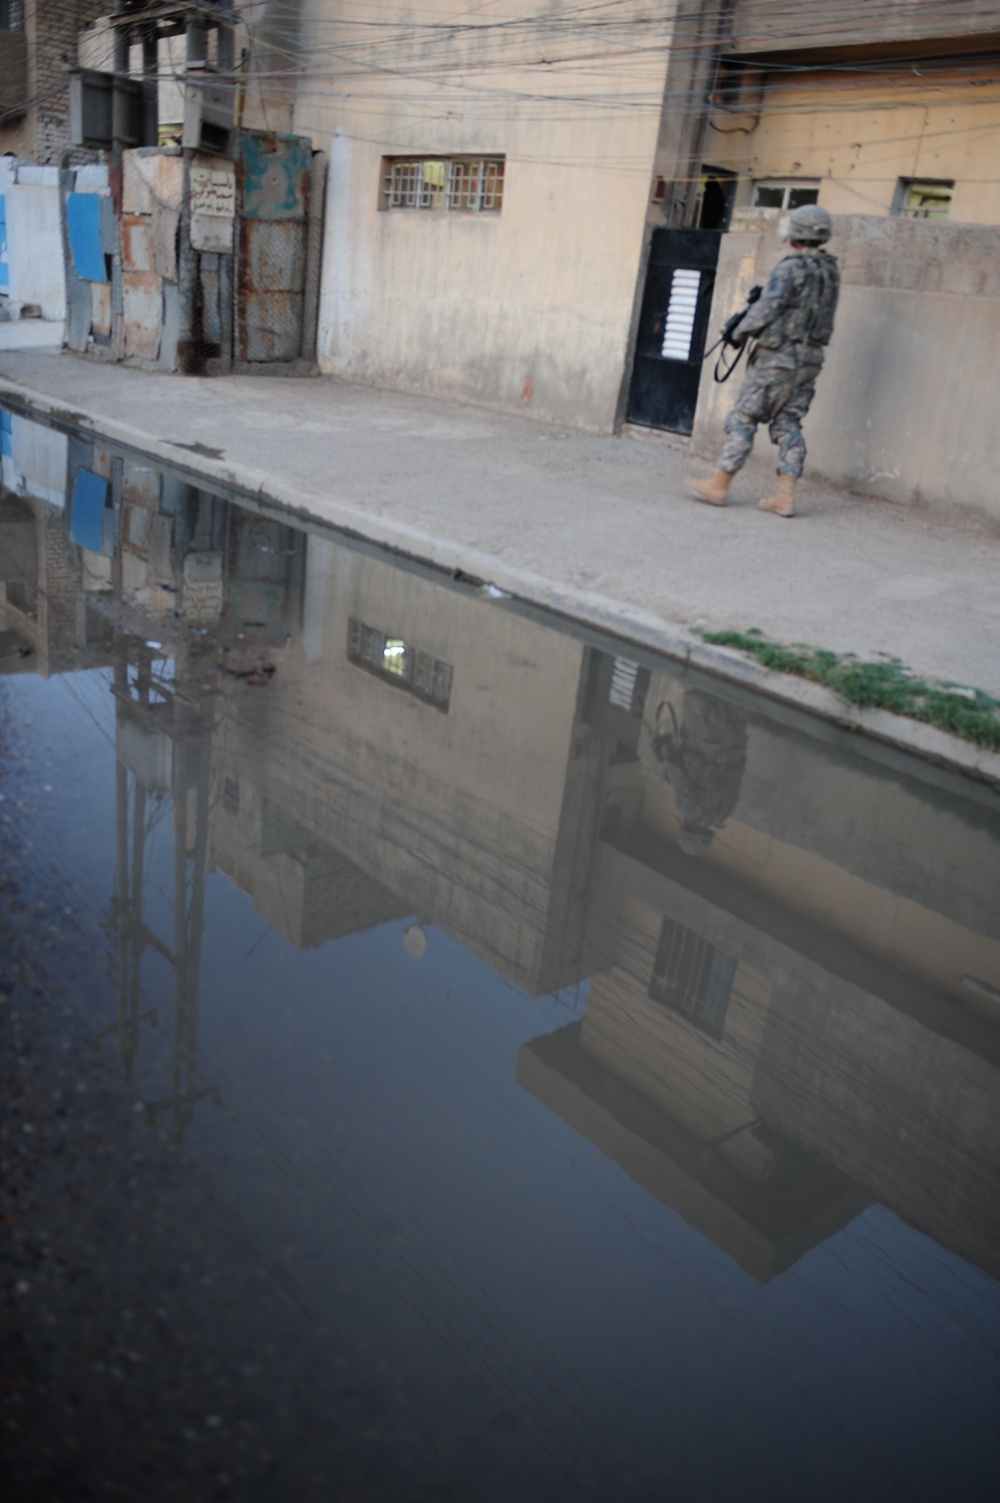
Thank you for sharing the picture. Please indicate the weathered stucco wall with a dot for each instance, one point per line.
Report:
(906, 404)
(34, 238)
(531, 307)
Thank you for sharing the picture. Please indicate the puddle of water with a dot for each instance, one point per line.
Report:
(451, 1055)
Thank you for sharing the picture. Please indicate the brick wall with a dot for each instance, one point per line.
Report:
(52, 28)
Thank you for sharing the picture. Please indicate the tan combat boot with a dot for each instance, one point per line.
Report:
(782, 503)
(714, 491)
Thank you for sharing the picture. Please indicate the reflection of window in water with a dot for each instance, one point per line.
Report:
(399, 662)
(692, 977)
(622, 689)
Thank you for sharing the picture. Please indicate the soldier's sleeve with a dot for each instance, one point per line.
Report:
(780, 290)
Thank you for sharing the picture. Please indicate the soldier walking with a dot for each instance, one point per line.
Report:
(791, 322)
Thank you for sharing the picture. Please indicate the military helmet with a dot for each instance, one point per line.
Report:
(693, 838)
(810, 223)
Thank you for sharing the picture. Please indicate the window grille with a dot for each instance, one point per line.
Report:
(400, 663)
(922, 200)
(692, 977)
(460, 185)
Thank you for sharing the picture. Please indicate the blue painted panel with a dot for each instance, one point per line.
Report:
(83, 220)
(275, 176)
(6, 436)
(4, 268)
(86, 526)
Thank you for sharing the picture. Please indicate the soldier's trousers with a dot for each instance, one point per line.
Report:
(779, 396)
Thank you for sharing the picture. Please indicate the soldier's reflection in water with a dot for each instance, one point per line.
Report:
(703, 760)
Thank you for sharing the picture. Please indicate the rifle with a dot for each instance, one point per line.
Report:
(727, 338)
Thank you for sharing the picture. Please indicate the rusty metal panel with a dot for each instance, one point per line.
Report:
(100, 315)
(272, 255)
(137, 250)
(211, 311)
(274, 175)
(152, 178)
(271, 325)
(163, 228)
(143, 306)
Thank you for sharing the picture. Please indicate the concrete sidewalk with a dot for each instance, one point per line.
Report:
(600, 528)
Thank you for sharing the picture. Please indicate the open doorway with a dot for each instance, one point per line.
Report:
(716, 194)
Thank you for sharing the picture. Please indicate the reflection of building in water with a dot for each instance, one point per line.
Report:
(46, 626)
(191, 557)
(163, 745)
(804, 1014)
(803, 1020)
(440, 748)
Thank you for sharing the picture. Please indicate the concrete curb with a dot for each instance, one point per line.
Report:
(598, 611)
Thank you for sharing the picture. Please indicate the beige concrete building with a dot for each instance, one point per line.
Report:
(412, 757)
(496, 178)
(489, 177)
(792, 1013)
(889, 120)
(887, 111)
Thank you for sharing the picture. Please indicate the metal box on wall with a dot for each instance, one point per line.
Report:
(208, 116)
(92, 107)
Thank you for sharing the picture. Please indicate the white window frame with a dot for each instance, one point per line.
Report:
(787, 186)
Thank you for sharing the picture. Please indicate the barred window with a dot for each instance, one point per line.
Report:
(922, 200)
(399, 662)
(462, 185)
(692, 977)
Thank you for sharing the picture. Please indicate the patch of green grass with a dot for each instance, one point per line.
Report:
(968, 713)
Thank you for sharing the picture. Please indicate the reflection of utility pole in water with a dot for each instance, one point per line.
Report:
(191, 769)
(127, 922)
(164, 744)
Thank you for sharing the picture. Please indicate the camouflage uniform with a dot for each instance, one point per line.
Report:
(792, 322)
(704, 764)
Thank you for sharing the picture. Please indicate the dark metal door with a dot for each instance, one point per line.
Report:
(673, 328)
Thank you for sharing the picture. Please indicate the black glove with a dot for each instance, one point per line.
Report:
(733, 333)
